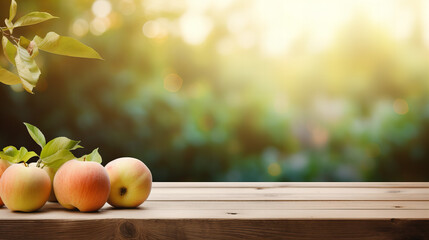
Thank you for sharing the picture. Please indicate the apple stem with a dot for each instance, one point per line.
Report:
(84, 158)
(25, 164)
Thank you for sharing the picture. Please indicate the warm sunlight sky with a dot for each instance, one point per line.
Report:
(273, 25)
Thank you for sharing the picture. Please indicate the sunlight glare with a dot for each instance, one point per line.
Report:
(195, 28)
(101, 8)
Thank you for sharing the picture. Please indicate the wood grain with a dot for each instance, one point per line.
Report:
(296, 193)
(53, 211)
(215, 229)
(291, 184)
(242, 210)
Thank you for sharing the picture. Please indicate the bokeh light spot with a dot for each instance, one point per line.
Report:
(99, 25)
(195, 28)
(319, 136)
(80, 27)
(151, 29)
(17, 88)
(156, 28)
(173, 82)
(400, 106)
(101, 8)
(274, 169)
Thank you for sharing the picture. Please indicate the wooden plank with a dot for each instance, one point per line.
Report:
(285, 205)
(52, 211)
(242, 210)
(222, 194)
(214, 229)
(291, 184)
(55, 211)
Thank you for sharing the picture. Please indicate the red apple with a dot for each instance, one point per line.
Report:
(3, 165)
(130, 181)
(82, 184)
(24, 188)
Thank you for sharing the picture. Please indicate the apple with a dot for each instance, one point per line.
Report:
(24, 188)
(3, 165)
(82, 184)
(130, 181)
(51, 173)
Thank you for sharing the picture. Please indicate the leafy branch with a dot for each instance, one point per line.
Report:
(58, 151)
(13, 155)
(21, 52)
(53, 154)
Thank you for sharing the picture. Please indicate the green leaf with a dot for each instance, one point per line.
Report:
(57, 151)
(21, 153)
(6, 157)
(28, 156)
(24, 42)
(94, 156)
(28, 70)
(58, 144)
(31, 46)
(36, 134)
(33, 18)
(24, 155)
(66, 46)
(11, 154)
(9, 25)
(12, 10)
(8, 78)
(57, 159)
(9, 50)
(10, 151)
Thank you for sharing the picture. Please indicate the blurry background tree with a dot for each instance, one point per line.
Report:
(244, 90)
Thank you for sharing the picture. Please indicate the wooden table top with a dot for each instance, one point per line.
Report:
(242, 210)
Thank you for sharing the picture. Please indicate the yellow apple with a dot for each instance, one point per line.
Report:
(24, 188)
(130, 181)
(82, 184)
(3, 165)
(51, 173)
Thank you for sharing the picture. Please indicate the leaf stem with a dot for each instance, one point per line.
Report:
(8, 35)
(38, 162)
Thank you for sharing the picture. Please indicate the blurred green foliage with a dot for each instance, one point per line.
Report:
(357, 110)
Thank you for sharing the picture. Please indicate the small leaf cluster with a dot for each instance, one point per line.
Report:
(53, 154)
(21, 52)
(13, 155)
